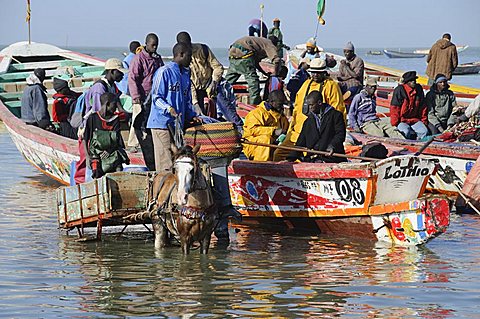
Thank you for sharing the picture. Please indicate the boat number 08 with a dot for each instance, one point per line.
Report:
(349, 190)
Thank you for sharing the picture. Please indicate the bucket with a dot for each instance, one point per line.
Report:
(135, 168)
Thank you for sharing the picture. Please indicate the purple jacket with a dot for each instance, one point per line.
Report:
(140, 75)
(362, 110)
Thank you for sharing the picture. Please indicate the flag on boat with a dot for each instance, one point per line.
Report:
(321, 11)
(27, 19)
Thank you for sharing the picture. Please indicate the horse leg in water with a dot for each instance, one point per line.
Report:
(160, 232)
(205, 243)
(186, 243)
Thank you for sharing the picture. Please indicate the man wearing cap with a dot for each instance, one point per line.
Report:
(140, 78)
(34, 106)
(311, 50)
(266, 124)
(408, 111)
(245, 55)
(350, 72)
(275, 31)
(442, 58)
(63, 105)
(319, 81)
(362, 115)
(440, 103)
(114, 71)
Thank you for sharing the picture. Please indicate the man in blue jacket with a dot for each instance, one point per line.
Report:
(171, 97)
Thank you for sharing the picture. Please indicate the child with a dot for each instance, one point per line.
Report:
(104, 146)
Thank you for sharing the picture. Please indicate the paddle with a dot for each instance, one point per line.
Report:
(306, 150)
(424, 146)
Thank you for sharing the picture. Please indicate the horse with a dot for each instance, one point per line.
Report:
(184, 203)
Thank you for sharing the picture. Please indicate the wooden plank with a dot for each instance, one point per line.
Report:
(44, 65)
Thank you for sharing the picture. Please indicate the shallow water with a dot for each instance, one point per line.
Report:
(45, 273)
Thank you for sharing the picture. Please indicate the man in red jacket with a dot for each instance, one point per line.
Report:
(408, 111)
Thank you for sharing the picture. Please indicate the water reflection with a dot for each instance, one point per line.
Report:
(44, 273)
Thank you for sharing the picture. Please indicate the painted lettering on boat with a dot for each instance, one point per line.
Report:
(349, 190)
(405, 171)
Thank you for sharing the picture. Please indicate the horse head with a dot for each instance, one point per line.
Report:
(185, 168)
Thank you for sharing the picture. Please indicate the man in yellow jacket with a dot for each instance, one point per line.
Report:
(266, 124)
(332, 95)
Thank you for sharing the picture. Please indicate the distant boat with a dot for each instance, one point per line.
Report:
(398, 54)
(467, 68)
(371, 52)
(460, 48)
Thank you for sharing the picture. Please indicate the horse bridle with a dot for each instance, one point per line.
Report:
(193, 172)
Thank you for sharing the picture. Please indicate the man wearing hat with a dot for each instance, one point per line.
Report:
(408, 111)
(362, 115)
(319, 81)
(350, 72)
(34, 101)
(64, 101)
(311, 50)
(114, 72)
(440, 104)
(275, 31)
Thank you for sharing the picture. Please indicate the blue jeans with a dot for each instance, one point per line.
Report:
(418, 130)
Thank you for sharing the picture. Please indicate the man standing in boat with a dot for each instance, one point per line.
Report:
(245, 55)
(332, 95)
(276, 32)
(408, 111)
(442, 59)
(141, 71)
(171, 98)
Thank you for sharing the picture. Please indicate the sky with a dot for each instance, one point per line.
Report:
(367, 23)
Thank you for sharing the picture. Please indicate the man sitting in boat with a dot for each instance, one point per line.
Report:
(275, 82)
(245, 55)
(34, 107)
(266, 124)
(332, 95)
(440, 103)
(297, 80)
(350, 72)
(408, 111)
(362, 115)
(103, 142)
(63, 106)
(323, 130)
(311, 50)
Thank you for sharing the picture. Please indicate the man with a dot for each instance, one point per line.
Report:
(64, 101)
(319, 81)
(442, 58)
(257, 27)
(123, 84)
(206, 71)
(143, 67)
(362, 115)
(297, 79)
(408, 111)
(34, 106)
(103, 142)
(276, 32)
(323, 130)
(114, 72)
(440, 104)
(171, 98)
(265, 124)
(245, 55)
(350, 72)
(275, 82)
(311, 50)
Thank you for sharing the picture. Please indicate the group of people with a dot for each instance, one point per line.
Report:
(191, 89)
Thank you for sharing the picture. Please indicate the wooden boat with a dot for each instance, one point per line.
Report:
(460, 48)
(467, 68)
(455, 160)
(52, 154)
(383, 201)
(397, 54)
